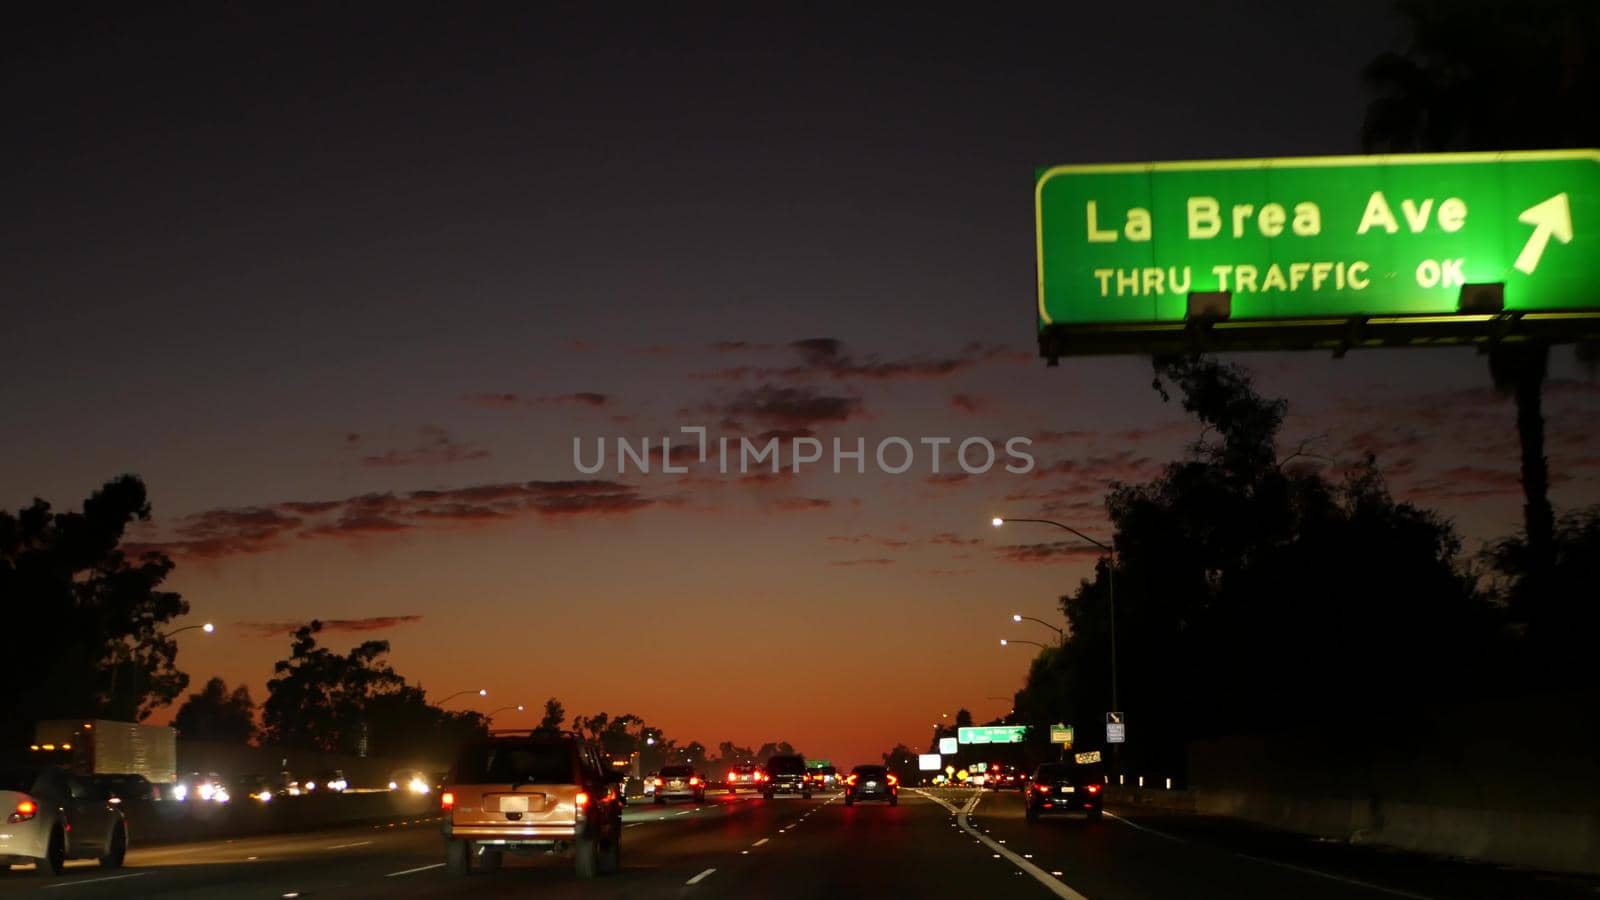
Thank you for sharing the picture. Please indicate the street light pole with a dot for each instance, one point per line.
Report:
(1111, 596)
(481, 692)
(489, 716)
(118, 663)
(1061, 635)
(1006, 642)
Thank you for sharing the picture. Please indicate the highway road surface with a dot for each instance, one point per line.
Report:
(951, 843)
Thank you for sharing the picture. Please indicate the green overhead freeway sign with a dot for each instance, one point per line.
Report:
(1121, 247)
(992, 734)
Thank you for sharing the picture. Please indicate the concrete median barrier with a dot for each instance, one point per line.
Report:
(153, 822)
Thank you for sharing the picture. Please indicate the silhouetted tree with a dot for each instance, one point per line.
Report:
(1254, 593)
(902, 761)
(1496, 75)
(1561, 617)
(555, 715)
(773, 748)
(693, 754)
(401, 720)
(216, 714)
(89, 620)
(317, 699)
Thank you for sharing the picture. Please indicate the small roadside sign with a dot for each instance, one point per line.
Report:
(1116, 728)
(1061, 734)
(948, 746)
(928, 762)
(1084, 759)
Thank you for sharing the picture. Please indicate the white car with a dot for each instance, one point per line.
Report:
(52, 816)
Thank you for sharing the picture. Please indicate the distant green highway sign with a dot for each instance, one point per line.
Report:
(992, 734)
(1122, 247)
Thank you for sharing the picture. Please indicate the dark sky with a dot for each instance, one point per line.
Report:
(296, 265)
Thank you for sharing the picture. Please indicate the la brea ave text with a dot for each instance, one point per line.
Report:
(1208, 220)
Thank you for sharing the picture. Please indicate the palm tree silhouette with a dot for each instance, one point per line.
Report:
(1496, 75)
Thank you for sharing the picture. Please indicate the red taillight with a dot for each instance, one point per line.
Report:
(447, 800)
(894, 779)
(581, 800)
(851, 779)
(25, 811)
(1093, 788)
(1042, 788)
(694, 780)
(733, 776)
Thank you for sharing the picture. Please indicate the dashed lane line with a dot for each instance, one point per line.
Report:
(65, 884)
(1051, 882)
(414, 871)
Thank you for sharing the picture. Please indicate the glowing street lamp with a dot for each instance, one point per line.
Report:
(1111, 587)
(481, 692)
(1007, 643)
(1019, 617)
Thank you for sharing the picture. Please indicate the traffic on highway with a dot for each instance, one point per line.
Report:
(1103, 451)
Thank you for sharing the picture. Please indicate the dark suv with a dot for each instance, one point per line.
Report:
(786, 774)
(871, 783)
(1064, 787)
(531, 791)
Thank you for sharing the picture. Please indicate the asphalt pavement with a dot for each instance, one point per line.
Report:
(947, 843)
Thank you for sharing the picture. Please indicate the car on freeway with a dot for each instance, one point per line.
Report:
(1000, 777)
(531, 792)
(198, 787)
(131, 788)
(650, 782)
(785, 773)
(53, 815)
(743, 777)
(871, 783)
(255, 787)
(328, 780)
(414, 781)
(680, 782)
(1063, 787)
(825, 778)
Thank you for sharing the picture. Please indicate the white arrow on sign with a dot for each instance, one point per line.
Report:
(1552, 218)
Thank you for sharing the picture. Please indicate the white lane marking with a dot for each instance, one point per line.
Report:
(351, 844)
(414, 871)
(1147, 830)
(1354, 882)
(1053, 884)
(701, 877)
(1329, 875)
(95, 880)
(633, 825)
(760, 842)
